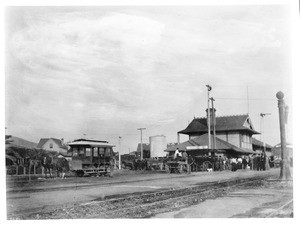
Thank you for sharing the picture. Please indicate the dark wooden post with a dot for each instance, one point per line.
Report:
(285, 173)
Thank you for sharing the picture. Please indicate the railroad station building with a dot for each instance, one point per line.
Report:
(233, 136)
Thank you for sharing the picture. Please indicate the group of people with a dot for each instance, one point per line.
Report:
(254, 162)
(258, 161)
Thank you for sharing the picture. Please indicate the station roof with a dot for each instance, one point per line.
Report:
(260, 143)
(201, 142)
(223, 123)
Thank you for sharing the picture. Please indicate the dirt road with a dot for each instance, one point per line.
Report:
(54, 194)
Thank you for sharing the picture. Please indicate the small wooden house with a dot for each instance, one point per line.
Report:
(53, 144)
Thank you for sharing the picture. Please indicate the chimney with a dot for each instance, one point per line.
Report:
(212, 115)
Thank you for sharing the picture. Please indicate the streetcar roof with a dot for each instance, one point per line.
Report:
(91, 143)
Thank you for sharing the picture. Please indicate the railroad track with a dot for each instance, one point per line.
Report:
(139, 205)
(279, 209)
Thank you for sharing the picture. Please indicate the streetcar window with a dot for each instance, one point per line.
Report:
(107, 152)
(81, 151)
(88, 152)
(101, 151)
(74, 151)
(95, 151)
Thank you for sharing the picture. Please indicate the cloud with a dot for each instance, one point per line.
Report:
(78, 67)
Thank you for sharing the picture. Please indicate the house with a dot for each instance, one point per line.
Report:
(233, 135)
(53, 144)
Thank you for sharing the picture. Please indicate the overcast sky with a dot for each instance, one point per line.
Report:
(106, 71)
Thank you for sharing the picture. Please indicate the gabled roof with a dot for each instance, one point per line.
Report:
(44, 140)
(223, 123)
(202, 143)
(259, 143)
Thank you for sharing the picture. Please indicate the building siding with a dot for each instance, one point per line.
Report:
(234, 138)
(55, 146)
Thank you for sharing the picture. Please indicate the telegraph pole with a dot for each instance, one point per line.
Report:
(262, 129)
(208, 115)
(120, 152)
(285, 173)
(141, 129)
(214, 122)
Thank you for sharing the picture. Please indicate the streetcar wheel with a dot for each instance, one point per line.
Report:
(79, 173)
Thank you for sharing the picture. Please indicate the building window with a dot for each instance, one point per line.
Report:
(51, 145)
(246, 138)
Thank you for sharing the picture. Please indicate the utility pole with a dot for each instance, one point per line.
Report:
(262, 129)
(208, 115)
(285, 173)
(214, 122)
(120, 152)
(248, 100)
(141, 129)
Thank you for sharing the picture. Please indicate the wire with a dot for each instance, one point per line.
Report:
(255, 99)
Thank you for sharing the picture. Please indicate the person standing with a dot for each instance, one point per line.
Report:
(263, 161)
(185, 158)
(233, 164)
(176, 153)
(255, 162)
(244, 162)
(258, 162)
(239, 163)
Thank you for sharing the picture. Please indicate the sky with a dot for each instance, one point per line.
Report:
(103, 72)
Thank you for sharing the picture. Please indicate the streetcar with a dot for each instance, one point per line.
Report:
(91, 157)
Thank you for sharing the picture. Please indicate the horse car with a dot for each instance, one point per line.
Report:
(91, 157)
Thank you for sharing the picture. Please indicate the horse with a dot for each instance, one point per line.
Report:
(62, 166)
(54, 163)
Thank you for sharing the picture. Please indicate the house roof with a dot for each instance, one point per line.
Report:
(223, 123)
(56, 140)
(202, 143)
(259, 143)
(20, 143)
(146, 147)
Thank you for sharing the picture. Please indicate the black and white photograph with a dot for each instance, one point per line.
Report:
(149, 111)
